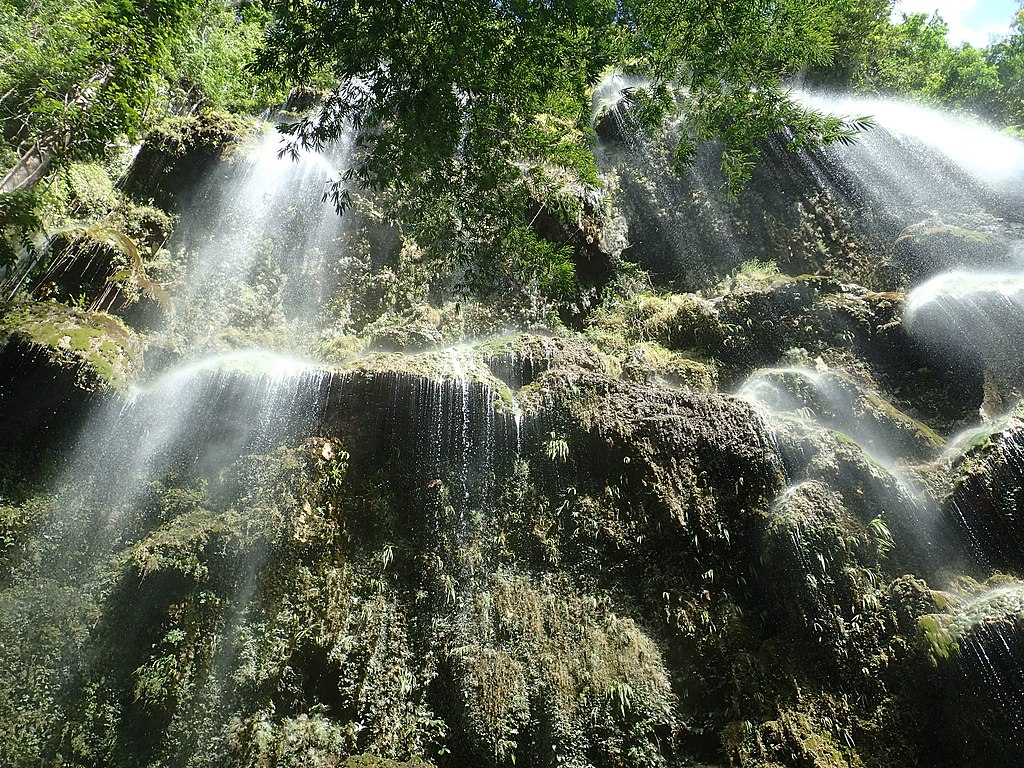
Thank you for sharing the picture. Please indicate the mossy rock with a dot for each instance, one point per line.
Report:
(679, 322)
(838, 401)
(794, 739)
(540, 659)
(371, 761)
(847, 326)
(699, 467)
(871, 491)
(996, 611)
(935, 245)
(302, 98)
(179, 151)
(813, 553)
(412, 331)
(101, 350)
(762, 321)
(518, 360)
(650, 362)
(978, 647)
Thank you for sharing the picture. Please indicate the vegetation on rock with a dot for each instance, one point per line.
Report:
(451, 482)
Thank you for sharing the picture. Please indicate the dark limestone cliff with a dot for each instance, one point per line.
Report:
(343, 519)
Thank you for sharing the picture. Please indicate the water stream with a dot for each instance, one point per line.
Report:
(447, 431)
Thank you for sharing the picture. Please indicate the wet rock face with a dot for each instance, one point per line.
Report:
(41, 402)
(521, 359)
(699, 455)
(685, 231)
(838, 402)
(987, 496)
(940, 244)
(765, 319)
(416, 573)
(977, 644)
(53, 361)
(478, 557)
(813, 547)
(613, 487)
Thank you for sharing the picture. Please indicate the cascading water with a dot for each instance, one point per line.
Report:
(971, 313)
(544, 548)
(962, 179)
(260, 249)
(921, 176)
(918, 148)
(260, 240)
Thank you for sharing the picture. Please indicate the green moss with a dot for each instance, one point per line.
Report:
(411, 331)
(752, 274)
(652, 362)
(342, 348)
(370, 761)
(91, 189)
(793, 739)
(179, 149)
(104, 352)
(539, 653)
(939, 633)
(999, 604)
(676, 321)
(887, 412)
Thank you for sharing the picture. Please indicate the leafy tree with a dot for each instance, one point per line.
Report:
(206, 67)
(445, 100)
(77, 75)
(914, 55)
(968, 79)
(860, 32)
(913, 58)
(449, 102)
(1007, 58)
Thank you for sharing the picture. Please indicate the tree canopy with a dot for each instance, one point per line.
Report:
(79, 75)
(449, 103)
(457, 112)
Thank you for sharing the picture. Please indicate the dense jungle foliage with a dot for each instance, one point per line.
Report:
(464, 110)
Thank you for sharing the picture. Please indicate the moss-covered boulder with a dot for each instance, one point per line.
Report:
(680, 322)
(977, 643)
(894, 503)
(938, 244)
(519, 359)
(650, 362)
(836, 400)
(793, 739)
(177, 153)
(99, 348)
(693, 472)
(814, 553)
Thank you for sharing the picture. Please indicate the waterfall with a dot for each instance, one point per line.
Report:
(260, 241)
(749, 515)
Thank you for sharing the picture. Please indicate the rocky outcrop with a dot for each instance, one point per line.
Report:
(175, 155)
(977, 644)
(950, 242)
(98, 348)
(499, 554)
(986, 498)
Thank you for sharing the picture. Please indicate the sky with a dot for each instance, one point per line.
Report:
(971, 21)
